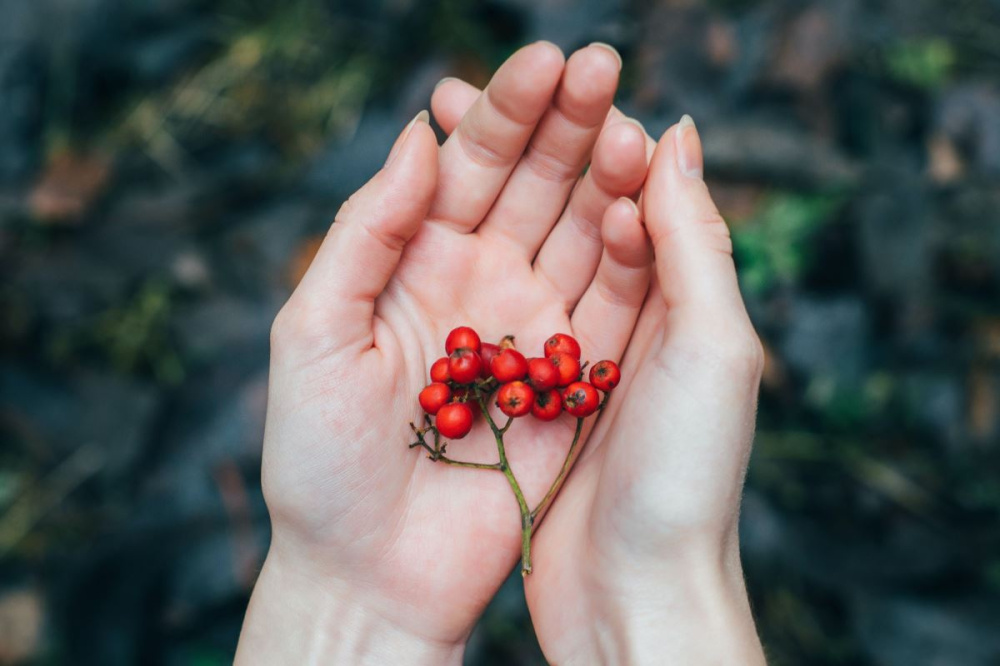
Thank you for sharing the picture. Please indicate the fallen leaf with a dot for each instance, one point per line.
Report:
(944, 165)
(68, 187)
(20, 625)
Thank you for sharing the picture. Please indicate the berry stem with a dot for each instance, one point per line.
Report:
(436, 453)
(567, 464)
(503, 430)
(473, 465)
(527, 520)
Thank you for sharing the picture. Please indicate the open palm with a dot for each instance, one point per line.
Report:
(497, 230)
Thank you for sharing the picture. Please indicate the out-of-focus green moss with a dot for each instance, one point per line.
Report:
(772, 247)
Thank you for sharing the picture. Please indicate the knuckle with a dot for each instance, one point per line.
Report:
(390, 239)
(548, 166)
(281, 328)
(586, 227)
(301, 331)
(741, 353)
(620, 293)
(714, 222)
(346, 211)
(290, 326)
(722, 348)
(482, 151)
(716, 233)
(376, 224)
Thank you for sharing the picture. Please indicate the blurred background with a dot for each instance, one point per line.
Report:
(167, 168)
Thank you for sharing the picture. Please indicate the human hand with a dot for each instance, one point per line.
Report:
(377, 554)
(638, 559)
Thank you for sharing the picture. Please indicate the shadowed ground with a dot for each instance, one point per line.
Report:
(168, 167)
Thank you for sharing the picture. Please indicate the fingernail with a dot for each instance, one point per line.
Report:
(613, 50)
(443, 81)
(631, 204)
(688, 148)
(421, 117)
(552, 44)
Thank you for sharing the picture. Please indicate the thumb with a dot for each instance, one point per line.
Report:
(336, 298)
(694, 252)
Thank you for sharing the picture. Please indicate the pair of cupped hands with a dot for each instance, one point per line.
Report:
(381, 556)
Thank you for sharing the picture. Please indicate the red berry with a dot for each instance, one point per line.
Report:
(568, 367)
(462, 337)
(434, 396)
(548, 405)
(560, 342)
(543, 374)
(464, 366)
(515, 398)
(509, 365)
(439, 371)
(487, 353)
(605, 375)
(454, 420)
(580, 399)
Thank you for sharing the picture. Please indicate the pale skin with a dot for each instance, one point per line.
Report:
(379, 555)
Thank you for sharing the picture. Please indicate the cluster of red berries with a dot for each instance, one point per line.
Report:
(543, 387)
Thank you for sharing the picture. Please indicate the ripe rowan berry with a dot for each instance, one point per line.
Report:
(580, 399)
(515, 398)
(439, 371)
(605, 375)
(542, 374)
(434, 396)
(548, 405)
(462, 337)
(509, 365)
(487, 353)
(568, 367)
(454, 420)
(561, 342)
(464, 365)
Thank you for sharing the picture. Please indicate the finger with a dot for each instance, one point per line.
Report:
(615, 116)
(536, 192)
(569, 256)
(694, 261)
(452, 98)
(336, 297)
(478, 157)
(606, 314)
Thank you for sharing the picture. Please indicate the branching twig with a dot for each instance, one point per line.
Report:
(526, 520)
(436, 452)
(557, 484)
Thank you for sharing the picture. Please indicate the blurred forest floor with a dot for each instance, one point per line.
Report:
(168, 166)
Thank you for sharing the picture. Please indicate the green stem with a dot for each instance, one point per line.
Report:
(527, 520)
(503, 430)
(462, 463)
(436, 452)
(557, 484)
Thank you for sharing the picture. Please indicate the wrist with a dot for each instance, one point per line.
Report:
(295, 617)
(690, 608)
